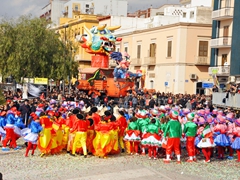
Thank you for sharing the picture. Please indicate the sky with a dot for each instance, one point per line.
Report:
(16, 8)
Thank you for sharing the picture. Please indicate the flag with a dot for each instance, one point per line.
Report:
(207, 131)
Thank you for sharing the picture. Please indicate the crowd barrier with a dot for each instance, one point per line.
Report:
(233, 100)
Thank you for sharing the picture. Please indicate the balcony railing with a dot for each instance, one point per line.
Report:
(150, 60)
(219, 70)
(222, 42)
(136, 61)
(200, 60)
(221, 14)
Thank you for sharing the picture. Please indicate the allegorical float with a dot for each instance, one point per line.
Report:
(100, 79)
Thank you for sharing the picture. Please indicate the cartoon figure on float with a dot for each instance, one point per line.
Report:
(100, 41)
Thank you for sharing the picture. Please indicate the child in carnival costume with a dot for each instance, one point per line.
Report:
(2, 124)
(174, 132)
(102, 142)
(115, 135)
(32, 137)
(122, 123)
(230, 126)
(236, 143)
(90, 132)
(80, 127)
(207, 142)
(71, 119)
(18, 125)
(142, 121)
(9, 128)
(222, 140)
(190, 130)
(45, 142)
(133, 135)
(151, 139)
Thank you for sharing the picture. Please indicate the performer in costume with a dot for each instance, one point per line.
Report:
(174, 132)
(236, 142)
(151, 139)
(133, 135)
(2, 125)
(114, 135)
(90, 135)
(102, 142)
(206, 142)
(122, 122)
(95, 116)
(72, 118)
(221, 140)
(190, 130)
(9, 128)
(18, 125)
(45, 142)
(32, 138)
(142, 121)
(80, 139)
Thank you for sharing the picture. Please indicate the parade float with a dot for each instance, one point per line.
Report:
(99, 78)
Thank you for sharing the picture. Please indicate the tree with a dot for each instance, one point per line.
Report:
(29, 49)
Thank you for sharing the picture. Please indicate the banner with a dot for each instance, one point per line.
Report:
(41, 81)
(36, 90)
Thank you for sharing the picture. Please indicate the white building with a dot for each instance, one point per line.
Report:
(56, 9)
(53, 11)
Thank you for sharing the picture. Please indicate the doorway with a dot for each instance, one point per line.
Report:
(224, 59)
(200, 90)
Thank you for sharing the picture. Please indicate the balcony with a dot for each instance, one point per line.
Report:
(223, 14)
(150, 60)
(202, 61)
(223, 42)
(136, 61)
(219, 70)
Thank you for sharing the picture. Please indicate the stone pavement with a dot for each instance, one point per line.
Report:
(15, 166)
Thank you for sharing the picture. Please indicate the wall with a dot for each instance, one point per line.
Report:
(174, 70)
(235, 63)
(206, 3)
(56, 13)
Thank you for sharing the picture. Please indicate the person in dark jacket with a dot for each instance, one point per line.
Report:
(25, 111)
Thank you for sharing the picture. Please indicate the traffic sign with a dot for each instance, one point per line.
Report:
(166, 83)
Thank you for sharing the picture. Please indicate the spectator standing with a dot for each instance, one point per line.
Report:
(25, 111)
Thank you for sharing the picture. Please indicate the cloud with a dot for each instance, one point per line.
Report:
(134, 5)
(16, 8)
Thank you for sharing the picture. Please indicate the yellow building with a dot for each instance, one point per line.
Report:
(71, 29)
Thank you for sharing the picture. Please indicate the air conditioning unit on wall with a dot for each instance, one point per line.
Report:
(193, 76)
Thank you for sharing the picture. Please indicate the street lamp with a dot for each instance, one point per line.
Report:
(64, 70)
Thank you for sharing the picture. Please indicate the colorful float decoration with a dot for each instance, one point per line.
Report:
(100, 79)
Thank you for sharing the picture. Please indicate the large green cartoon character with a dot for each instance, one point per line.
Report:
(100, 40)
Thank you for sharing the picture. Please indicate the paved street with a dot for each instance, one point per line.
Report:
(15, 166)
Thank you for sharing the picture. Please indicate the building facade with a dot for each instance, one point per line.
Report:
(172, 51)
(225, 41)
(174, 58)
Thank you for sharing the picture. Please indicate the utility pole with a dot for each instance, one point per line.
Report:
(65, 56)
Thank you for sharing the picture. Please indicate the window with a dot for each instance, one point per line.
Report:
(118, 49)
(184, 15)
(152, 52)
(169, 49)
(76, 8)
(138, 51)
(87, 5)
(225, 31)
(126, 49)
(224, 59)
(192, 14)
(203, 49)
(228, 3)
(151, 68)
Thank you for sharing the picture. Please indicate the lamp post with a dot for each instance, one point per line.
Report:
(64, 70)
